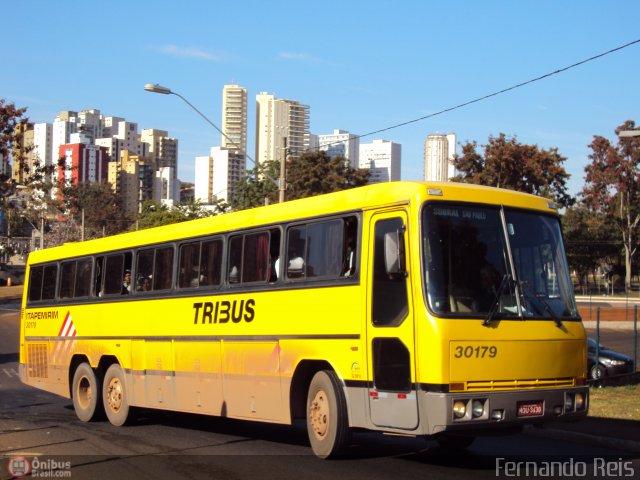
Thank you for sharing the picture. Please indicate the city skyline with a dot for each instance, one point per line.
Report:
(355, 81)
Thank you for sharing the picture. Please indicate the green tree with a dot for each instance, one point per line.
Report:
(507, 163)
(257, 187)
(590, 240)
(154, 214)
(312, 173)
(612, 187)
(103, 212)
(315, 173)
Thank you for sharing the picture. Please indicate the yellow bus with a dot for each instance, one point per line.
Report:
(440, 310)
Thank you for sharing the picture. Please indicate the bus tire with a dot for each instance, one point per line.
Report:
(85, 393)
(114, 395)
(327, 419)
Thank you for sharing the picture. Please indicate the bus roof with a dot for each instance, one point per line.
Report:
(361, 198)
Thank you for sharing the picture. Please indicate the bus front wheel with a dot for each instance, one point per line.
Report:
(85, 393)
(327, 419)
(114, 396)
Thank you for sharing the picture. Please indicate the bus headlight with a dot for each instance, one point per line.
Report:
(477, 408)
(459, 409)
(568, 402)
(580, 401)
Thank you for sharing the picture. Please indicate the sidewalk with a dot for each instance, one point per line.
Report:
(8, 294)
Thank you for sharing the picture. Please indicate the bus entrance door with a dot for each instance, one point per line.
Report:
(390, 334)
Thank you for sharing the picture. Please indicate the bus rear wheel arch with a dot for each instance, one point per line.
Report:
(86, 393)
(327, 418)
(114, 395)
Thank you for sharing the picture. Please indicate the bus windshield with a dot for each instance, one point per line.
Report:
(471, 271)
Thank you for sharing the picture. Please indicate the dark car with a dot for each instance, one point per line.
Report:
(609, 362)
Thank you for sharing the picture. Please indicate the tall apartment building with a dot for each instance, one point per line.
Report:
(234, 118)
(22, 152)
(343, 143)
(383, 160)
(43, 142)
(276, 120)
(84, 161)
(133, 179)
(162, 151)
(439, 151)
(217, 174)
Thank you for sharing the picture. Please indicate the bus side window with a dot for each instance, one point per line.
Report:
(67, 279)
(188, 265)
(97, 277)
(114, 272)
(35, 283)
(163, 269)
(49, 282)
(350, 247)
(211, 263)
(274, 255)
(296, 242)
(235, 259)
(83, 278)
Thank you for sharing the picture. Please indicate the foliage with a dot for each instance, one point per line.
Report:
(154, 214)
(103, 213)
(258, 187)
(310, 174)
(612, 187)
(590, 241)
(63, 232)
(315, 173)
(507, 163)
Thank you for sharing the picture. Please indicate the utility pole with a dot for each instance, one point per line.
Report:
(283, 172)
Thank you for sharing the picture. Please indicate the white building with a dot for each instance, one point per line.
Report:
(383, 160)
(343, 143)
(166, 188)
(43, 142)
(64, 125)
(279, 121)
(217, 174)
(234, 118)
(439, 152)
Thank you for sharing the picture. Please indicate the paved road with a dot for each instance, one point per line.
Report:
(162, 445)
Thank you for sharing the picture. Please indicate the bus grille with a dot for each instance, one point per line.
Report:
(37, 360)
(484, 385)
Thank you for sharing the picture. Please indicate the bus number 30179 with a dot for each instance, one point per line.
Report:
(476, 352)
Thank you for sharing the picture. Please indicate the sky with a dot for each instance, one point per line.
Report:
(360, 66)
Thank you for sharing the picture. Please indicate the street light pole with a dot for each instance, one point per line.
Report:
(155, 88)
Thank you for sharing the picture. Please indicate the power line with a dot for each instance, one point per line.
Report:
(499, 92)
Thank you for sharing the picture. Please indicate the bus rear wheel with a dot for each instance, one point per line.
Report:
(114, 396)
(85, 393)
(327, 420)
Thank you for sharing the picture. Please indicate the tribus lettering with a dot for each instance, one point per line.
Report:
(224, 310)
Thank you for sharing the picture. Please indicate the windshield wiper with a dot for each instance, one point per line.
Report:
(528, 293)
(506, 280)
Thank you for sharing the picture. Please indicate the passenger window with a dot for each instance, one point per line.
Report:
(116, 269)
(200, 264)
(67, 279)
(211, 263)
(154, 269)
(163, 271)
(253, 257)
(323, 249)
(49, 282)
(189, 265)
(35, 283)
(83, 278)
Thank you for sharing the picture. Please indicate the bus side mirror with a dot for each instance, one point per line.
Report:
(394, 258)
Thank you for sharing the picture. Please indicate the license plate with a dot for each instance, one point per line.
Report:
(529, 409)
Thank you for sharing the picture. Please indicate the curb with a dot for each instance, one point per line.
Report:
(585, 438)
